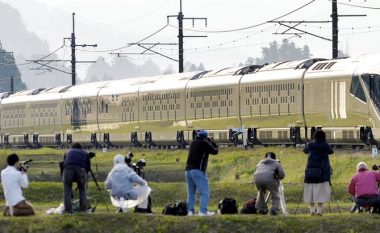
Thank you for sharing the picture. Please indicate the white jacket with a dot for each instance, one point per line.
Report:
(121, 181)
(13, 180)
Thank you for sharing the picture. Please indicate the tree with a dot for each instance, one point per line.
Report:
(201, 67)
(9, 71)
(280, 52)
(169, 70)
(98, 71)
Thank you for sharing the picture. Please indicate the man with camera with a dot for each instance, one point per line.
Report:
(76, 164)
(127, 188)
(13, 179)
(195, 173)
(268, 173)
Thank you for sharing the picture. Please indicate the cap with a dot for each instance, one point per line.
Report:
(202, 133)
(361, 166)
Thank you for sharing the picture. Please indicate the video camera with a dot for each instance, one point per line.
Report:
(24, 165)
(137, 167)
(375, 167)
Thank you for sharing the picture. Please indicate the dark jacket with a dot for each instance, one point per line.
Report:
(318, 158)
(198, 154)
(77, 157)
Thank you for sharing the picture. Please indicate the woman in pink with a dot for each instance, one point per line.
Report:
(363, 187)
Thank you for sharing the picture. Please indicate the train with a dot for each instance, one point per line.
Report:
(282, 103)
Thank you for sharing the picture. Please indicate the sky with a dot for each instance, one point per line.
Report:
(114, 23)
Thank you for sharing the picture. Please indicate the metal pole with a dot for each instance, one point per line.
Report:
(180, 39)
(73, 60)
(334, 17)
(12, 85)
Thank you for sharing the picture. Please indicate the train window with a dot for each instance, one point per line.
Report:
(356, 89)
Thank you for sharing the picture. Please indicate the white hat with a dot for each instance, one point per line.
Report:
(118, 159)
(361, 165)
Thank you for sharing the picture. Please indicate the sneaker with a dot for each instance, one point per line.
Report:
(190, 213)
(273, 213)
(209, 213)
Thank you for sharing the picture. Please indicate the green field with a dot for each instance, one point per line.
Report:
(230, 175)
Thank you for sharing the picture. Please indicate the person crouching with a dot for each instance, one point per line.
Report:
(268, 173)
(127, 189)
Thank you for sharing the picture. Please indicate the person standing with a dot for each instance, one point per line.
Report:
(76, 164)
(267, 176)
(195, 173)
(12, 181)
(318, 173)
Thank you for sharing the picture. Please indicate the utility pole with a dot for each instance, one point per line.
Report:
(334, 17)
(12, 85)
(73, 57)
(335, 29)
(180, 18)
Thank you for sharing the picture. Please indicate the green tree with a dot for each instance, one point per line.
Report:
(9, 69)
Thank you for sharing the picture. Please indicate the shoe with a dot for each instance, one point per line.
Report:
(190, 213)
(273, 213)
(319, 214)
(209, 213)
(263, 212)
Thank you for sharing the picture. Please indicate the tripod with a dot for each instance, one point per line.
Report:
(99, 189)
(332, 192)
(282, 198)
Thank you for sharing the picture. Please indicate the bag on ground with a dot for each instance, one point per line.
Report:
(249, 207)
(228, 206)
(178, 208)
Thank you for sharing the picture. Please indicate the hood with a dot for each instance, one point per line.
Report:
(118, 159)
(269, 161)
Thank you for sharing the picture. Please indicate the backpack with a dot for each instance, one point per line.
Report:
(249, 207)
(228, 206)
(178, 208)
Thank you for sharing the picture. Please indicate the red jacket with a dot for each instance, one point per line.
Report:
(364, 183)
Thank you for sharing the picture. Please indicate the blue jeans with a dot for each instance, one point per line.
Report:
(197, 179)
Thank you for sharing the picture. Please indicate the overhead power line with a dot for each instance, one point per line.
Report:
(125, 46)
(248, 27)
(358, 6)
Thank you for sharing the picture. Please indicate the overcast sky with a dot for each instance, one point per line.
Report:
(114, 23)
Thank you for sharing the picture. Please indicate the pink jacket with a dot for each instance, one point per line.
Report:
(364, 182)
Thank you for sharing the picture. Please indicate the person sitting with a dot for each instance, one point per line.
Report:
(363, 186)
(268, 173)
(13, 180)
(127, 189)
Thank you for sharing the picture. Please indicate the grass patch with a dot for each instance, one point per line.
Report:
(230, 174)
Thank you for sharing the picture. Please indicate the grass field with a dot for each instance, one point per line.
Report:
(230, 175)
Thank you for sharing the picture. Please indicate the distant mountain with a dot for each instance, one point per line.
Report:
(10, 76)
(26, 45)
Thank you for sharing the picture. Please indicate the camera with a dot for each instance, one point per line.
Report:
(375, 167)
(91, 154)
(24, 165)
(137, 167)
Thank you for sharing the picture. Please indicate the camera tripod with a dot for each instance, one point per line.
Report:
(332, 192)
(99, 189)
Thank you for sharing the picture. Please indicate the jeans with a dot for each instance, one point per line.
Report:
(70, 174)
(197, 180)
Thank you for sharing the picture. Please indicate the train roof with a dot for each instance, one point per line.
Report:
(84, 90)
(169, 82)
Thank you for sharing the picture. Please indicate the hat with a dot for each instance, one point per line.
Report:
(361, 166)
(118, 159)
(202, 133)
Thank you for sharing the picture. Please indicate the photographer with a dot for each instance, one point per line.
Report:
(76, 164)
(13, 180)
(317, 173)
(127, 188)
(363, 186)
(195, 173)
(268, 173)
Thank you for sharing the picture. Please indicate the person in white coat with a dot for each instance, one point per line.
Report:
(13, 180)
(127, 189)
